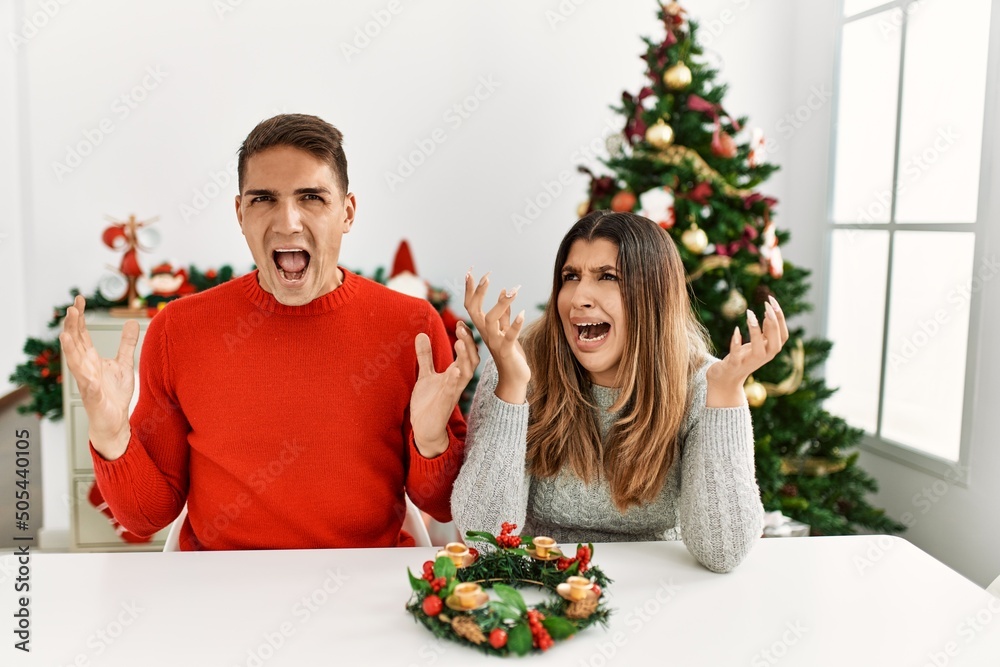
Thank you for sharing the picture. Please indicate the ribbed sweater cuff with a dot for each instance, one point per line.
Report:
(447, 463)
(507, 423)
(732, 431)
(124, 475)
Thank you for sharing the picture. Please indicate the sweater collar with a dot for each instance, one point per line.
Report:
(341, 295)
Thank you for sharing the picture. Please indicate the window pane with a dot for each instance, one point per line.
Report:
(852, 7)
(858, 269)
(866, 121)
(944, 92)
(928, 331)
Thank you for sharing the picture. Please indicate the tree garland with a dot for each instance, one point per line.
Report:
(506, 625)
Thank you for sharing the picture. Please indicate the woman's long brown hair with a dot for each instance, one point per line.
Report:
(665, 344)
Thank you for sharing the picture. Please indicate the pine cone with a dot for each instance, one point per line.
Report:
(581, 609)
(465, 626)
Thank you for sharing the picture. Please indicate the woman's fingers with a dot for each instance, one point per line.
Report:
(780, 316)
(474, 294)
(514, 329)
(757, 342)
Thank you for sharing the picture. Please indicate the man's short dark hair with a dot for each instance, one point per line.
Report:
(309, 133)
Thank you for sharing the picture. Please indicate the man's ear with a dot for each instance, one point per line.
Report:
(239, 214)
(350, 209)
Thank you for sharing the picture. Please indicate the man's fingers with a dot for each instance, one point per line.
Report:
(425, 360)
(126, 348)
(466, 353)
(81, 323)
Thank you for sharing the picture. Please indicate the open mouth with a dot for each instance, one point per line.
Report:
(291, 264)
(592, 331)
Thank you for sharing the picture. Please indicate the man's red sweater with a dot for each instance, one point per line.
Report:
(282, 427)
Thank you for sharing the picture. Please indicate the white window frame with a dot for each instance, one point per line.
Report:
(987, 209)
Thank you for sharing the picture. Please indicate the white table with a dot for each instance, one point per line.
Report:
(839, 601)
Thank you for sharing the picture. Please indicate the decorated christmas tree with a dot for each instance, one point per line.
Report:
(685, 162)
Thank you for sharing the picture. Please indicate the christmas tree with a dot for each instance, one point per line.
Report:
(683, 161)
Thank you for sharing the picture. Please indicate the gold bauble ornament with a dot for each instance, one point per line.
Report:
(695, 239)
(755, 391)
(582, 209)
(677, 77)
(735, 305)
(660, 135)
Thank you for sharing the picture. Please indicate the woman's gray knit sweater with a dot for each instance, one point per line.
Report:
(710, 495)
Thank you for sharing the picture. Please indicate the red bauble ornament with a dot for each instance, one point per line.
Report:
(623, 202)
(723, 145)
(432, 605)
(498, 638)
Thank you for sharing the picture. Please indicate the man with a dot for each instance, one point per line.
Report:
(291, 407)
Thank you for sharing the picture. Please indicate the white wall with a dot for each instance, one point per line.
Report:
(12, 256)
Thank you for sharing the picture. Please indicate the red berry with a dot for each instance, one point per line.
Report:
(597, 589)
(515, 541)
(474, 552)
(432, 605)
(428, 566)
(563, 564)
(498, 638)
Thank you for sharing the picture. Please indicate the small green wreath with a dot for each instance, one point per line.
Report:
(448, 598)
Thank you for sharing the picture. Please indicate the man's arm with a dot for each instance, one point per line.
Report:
(431, 474)
(147, 485)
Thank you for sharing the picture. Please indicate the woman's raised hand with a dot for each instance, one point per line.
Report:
(726, 378)
(499, 333)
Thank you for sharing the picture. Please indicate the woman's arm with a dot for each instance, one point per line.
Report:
(720, 508)
(492, 486)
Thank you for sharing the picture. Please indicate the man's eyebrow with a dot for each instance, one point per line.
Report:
(301, 191)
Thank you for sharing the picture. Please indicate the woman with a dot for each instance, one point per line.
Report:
(613, 423)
